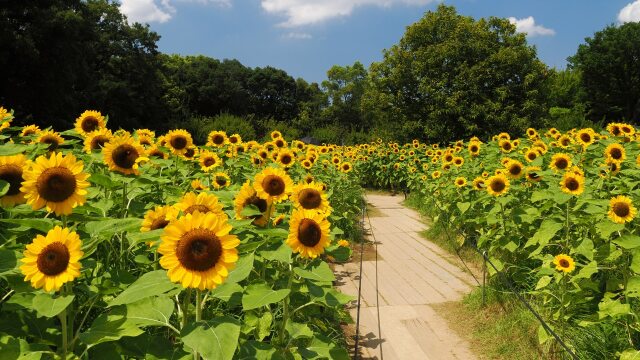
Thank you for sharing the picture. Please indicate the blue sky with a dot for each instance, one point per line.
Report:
(306, 37)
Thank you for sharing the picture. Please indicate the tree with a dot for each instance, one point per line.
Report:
(610, 66)
(344, 87)
(452, 76)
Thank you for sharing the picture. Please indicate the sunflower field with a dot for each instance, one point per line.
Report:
(131, 245)
(556, 212)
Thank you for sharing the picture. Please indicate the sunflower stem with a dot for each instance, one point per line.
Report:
(124, 199)
(185, 308)
(285, 306)
(65, 333)
(196, 356)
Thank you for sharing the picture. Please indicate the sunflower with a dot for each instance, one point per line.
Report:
(96, 140)
(585, 137)
(621, 209)
(497, 185)
(560, 162)
(506, 146)
(90, 121)
(121, 153)
(458, 161)
(30, 130)
(615, 152)
(564, 141)
(235, 139)
(436, 174)
(514, 169)
(572, 183)
(531, 155)
(51, 138)
(198, 185)
(614, 129)
(5, 118)
(275, 134)
(564, 263)
(309, 196)
(346, 167)
(57, 183)
(286, 158)
(178, 141)
(145, 140)
(158, 218)
(203, 202)
(209, 160)
(146, 132)
(190, 152)
(343, 243)
(278, 220)
(11, 169)
(307, 164)
(220, 180)
(308, 233)
(308, 179)
(532, 133)
(155, 152)
(53, 260)
(273, 184)
(532, 173)
(478, 183)
(198, 251)
(217, 138)
(248, 196)
(461, 181)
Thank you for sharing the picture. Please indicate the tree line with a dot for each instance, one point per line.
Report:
(450, 76)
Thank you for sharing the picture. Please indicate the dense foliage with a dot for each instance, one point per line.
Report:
(556, 212)
(127, 245)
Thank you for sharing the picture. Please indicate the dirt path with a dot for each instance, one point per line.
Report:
(413, 274)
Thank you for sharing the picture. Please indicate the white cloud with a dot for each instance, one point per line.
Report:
(297, 36)
(630, 13)
(148, 11)
(528, 26)
(306, 12)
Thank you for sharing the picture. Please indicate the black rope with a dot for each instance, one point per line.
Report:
(356, 354)
(375, 242)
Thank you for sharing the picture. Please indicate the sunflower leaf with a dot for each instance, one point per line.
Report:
(628, 241)
(150, 284)
(318, 272)
(49, 306)
(257, 295)
(242, 270)
(215, 339)
(4, 187)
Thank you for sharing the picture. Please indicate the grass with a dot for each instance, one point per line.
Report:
(503, 328)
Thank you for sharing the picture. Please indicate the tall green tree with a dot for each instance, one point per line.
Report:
(610, 66)
(452, 76)
(345, 86)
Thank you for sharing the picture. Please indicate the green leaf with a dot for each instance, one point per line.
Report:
(136, 238)
(49, 306)
(587, 271)
(257, 295)
(635, 262)
(215, 339)
(543, 282)
(607, 227)
(107, 227)
(150, 284)
(297, 330)
(628, 241)
(317, 272)
(109, 327)
(321, 347)
(151, 311)
(254, 350)
(43, 225)
(630, 354)
(242, 270)
(633, 287)
(612, 308)
(102, 180)
(12, 149)
(8, 261)
(4, 187)
(545, 233)
(229, 292)
(463, 207)
(264, 325)
(281, 254)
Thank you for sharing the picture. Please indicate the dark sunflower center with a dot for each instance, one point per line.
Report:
(533, 176)
(56, 184)
(125, 156)
(233, 140)
(279, 143)
(263, 154)
(218, 139)
(309, 232)
(531, 156)
(178, 142)
(89, 124)
(199, 250)
(572, 184)
(346, 167)
(160, 223)
(53, 259)
(310, 198)
(145, 141)
(209, 161)
(564, 141)
(190, 153)
(515, 170)
(497, 185)
(273, 185)
(221, 181)
(157, 153)
(562, 163)
(506, 146)
(29, 132)
(585, 137)
(13, 175)
(474, 148)
(198, 207)
(616, 153)
(51, 141)
(97, 142)
(621, 209)
(615, 131)
(286, 160)
(564, 263)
